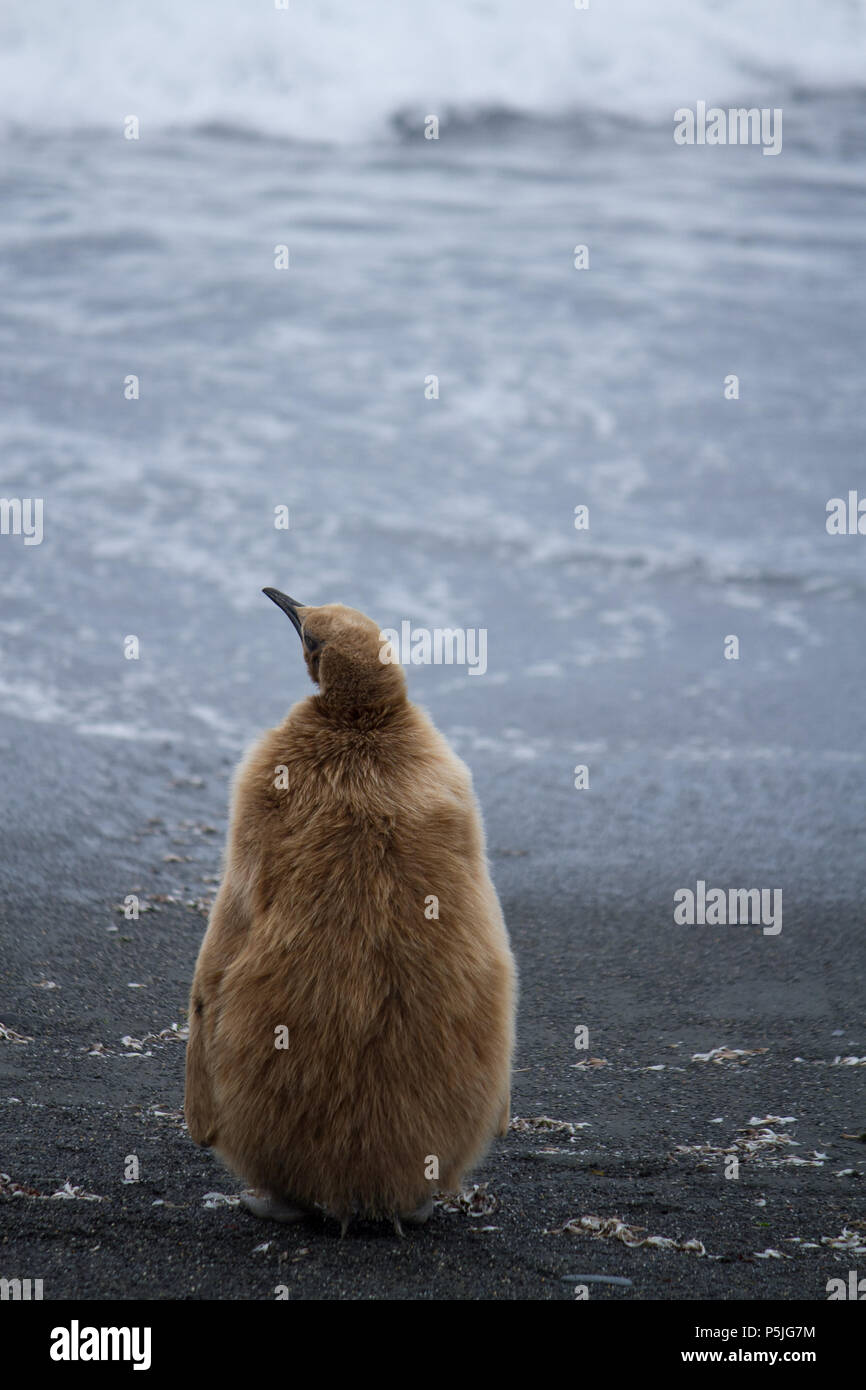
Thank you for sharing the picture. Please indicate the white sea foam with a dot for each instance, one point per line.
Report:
(334, 71)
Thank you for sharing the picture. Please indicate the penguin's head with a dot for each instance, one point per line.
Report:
(344, 653)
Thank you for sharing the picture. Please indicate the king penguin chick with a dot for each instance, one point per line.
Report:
(352, 1011)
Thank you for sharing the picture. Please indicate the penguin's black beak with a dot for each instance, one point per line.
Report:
(289, 606)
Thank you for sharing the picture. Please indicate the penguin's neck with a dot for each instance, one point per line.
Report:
(364, 705)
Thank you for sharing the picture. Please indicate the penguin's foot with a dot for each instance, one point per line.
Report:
(420, 1216)
(271, 1208)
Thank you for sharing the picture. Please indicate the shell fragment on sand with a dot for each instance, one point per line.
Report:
(613, 1228)
(728, 1054)
(474, 1201)
(9, 1035)
(68, 1192)
(758, 1144)
(542, 1124)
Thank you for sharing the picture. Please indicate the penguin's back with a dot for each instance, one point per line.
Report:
(364, 1029)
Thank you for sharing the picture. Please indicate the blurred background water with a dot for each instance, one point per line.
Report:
(557, 387)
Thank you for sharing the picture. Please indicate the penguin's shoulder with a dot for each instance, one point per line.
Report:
(450, 767)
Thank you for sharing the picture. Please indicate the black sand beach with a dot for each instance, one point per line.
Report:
(637, 1095)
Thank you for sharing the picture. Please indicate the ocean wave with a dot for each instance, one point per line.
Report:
(337, 72)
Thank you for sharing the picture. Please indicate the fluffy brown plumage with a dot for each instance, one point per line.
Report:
(400, 1028)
